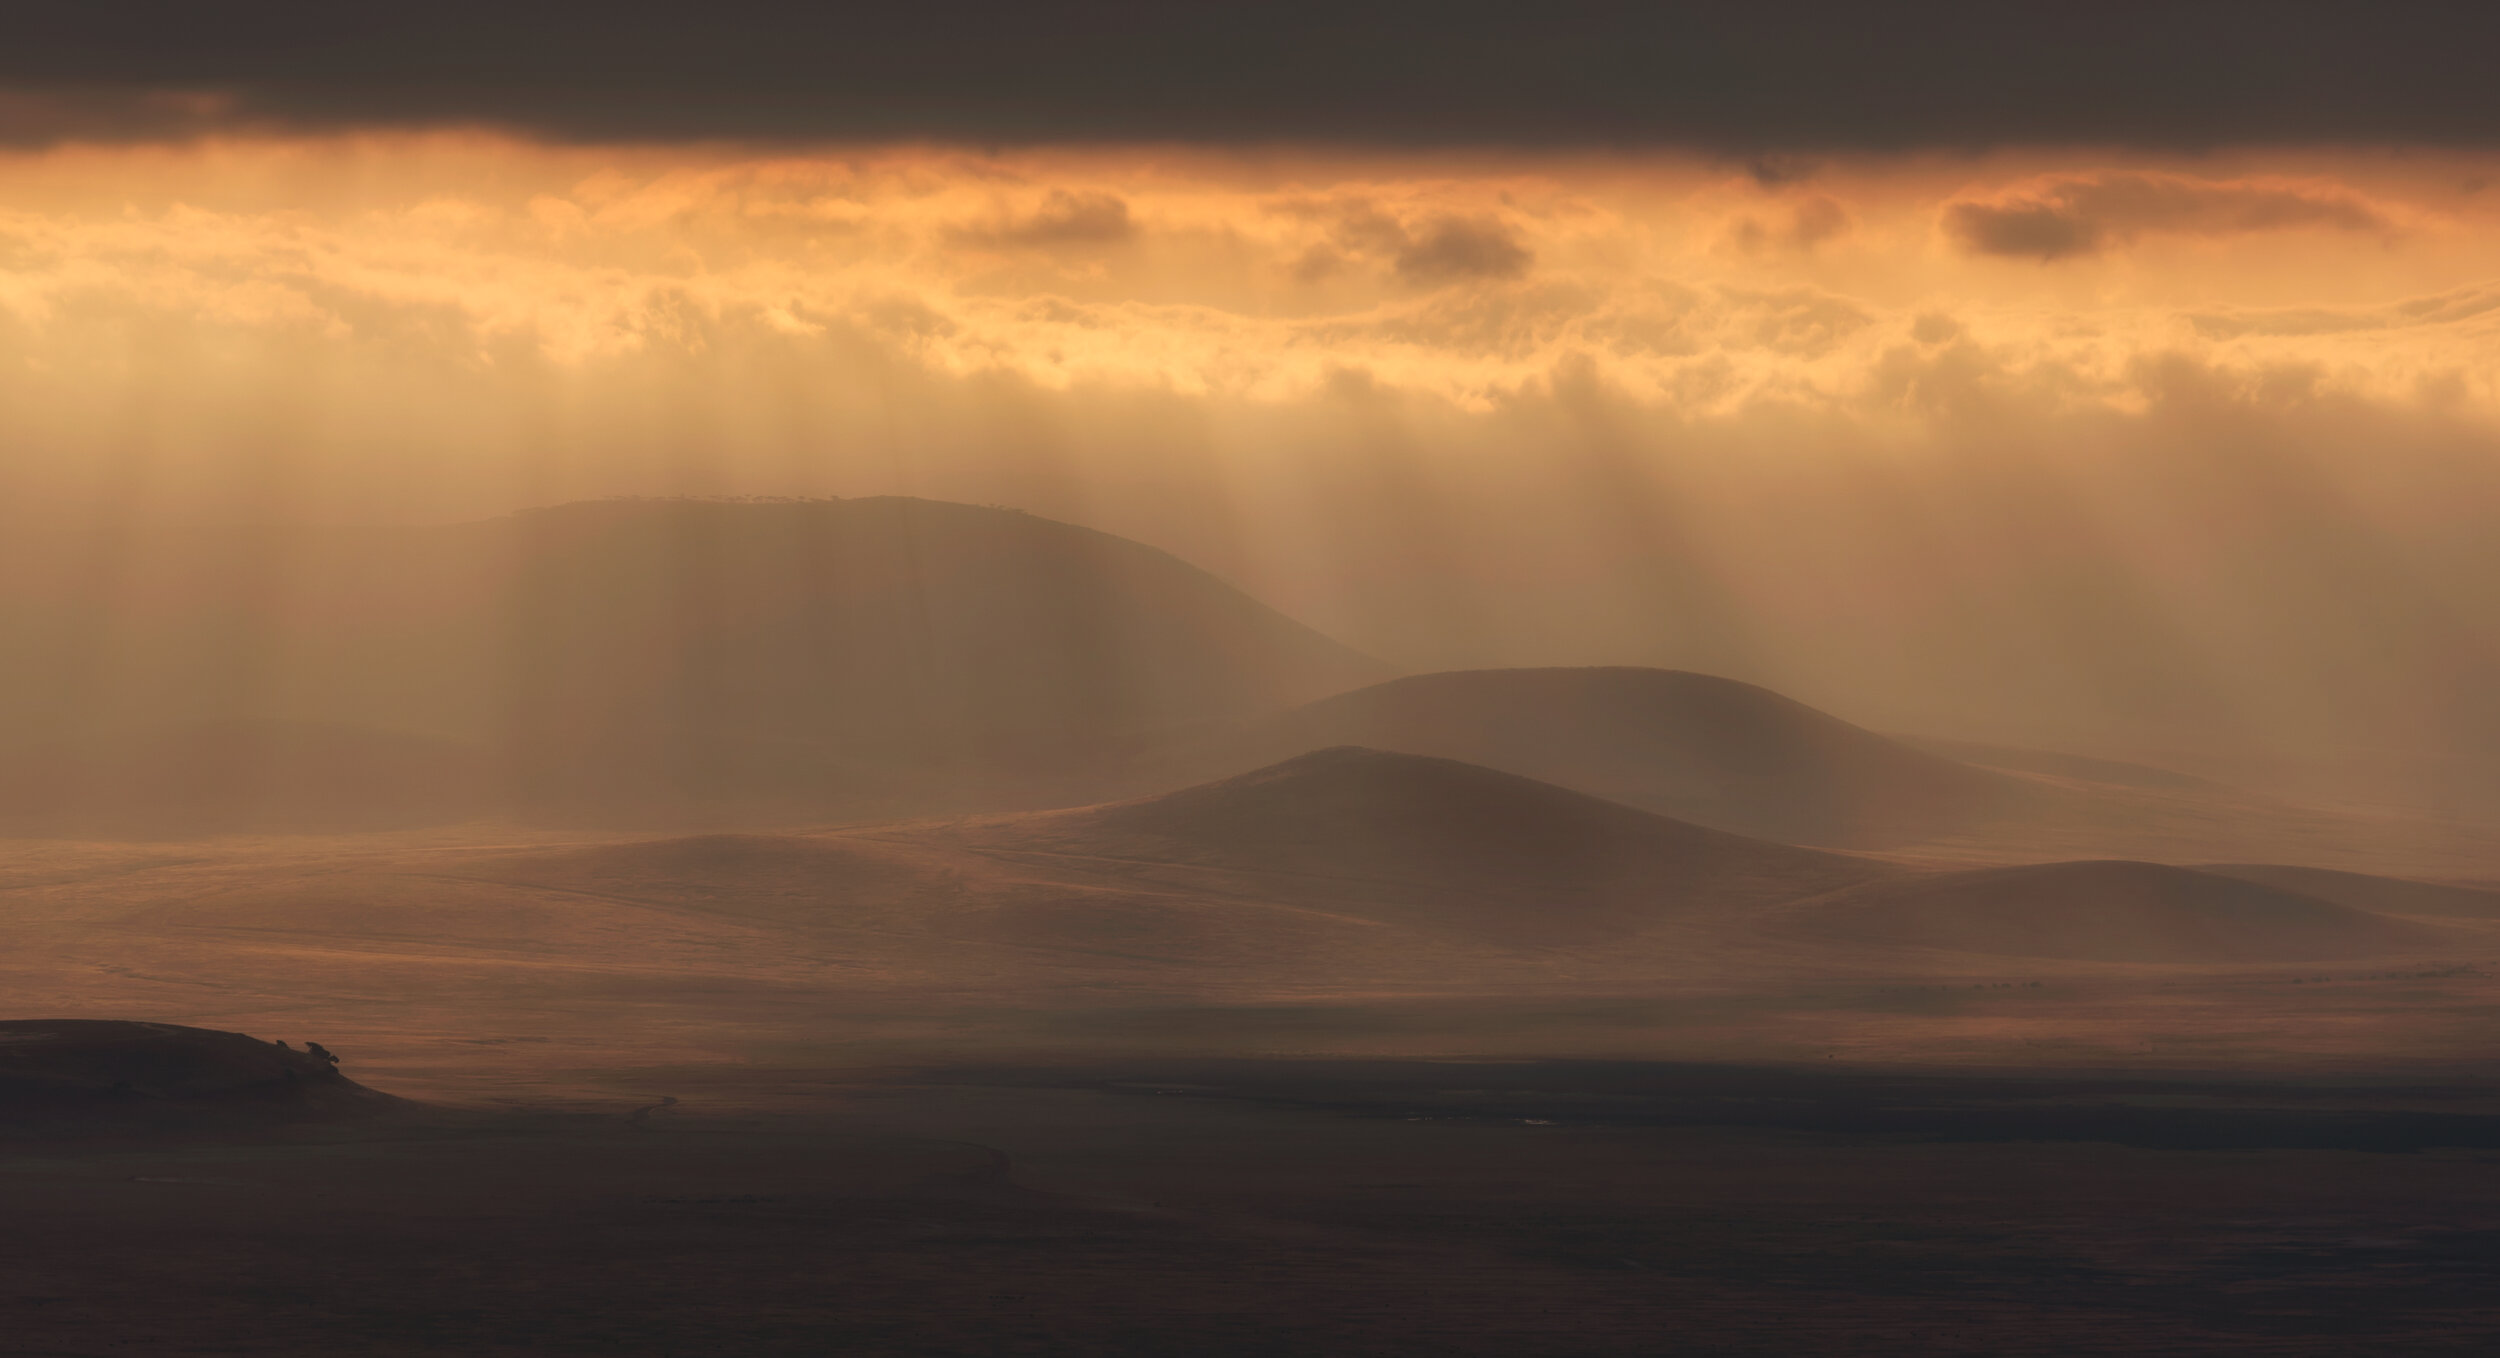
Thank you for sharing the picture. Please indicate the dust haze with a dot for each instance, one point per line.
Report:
(1202, 749)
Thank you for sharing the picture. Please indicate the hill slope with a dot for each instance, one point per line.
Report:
(1713, 751)
(2107, 912)
(1422, 840)
(2363, 891)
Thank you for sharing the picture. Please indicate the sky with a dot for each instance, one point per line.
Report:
(2106, 375)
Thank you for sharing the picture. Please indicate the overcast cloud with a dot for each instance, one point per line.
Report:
(1751, 79)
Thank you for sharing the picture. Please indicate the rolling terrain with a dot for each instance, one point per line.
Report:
(1742, 759)
(1344, 900)
(704, 665)
(1361, 1051)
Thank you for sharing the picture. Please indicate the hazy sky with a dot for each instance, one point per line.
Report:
(2124, 368)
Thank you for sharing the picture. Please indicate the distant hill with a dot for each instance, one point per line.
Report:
(654, 660)
(1341, 862)
(2107, 912)
(1713, 751)
(1425, 841)
(886, 646)
(70, 1076)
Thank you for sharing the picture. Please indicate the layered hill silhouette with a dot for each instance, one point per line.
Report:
(1336, 849)
(712, 665)
(1428, 841)
(1696, 747)
(85, 1075)
(2108, 911)
(1349, 862)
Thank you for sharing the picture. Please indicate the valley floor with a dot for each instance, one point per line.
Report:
(878, 1092)
(1286, 1208)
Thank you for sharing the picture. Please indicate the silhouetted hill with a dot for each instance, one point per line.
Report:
(1713, 751)
(1417, 839)
(75, 1075)
(2107, 912)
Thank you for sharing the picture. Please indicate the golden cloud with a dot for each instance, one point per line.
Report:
(2082, 215)
(507, 263)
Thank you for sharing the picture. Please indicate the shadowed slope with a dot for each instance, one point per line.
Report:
(74, 1074)
(1699, 748)
(1418, 839)
(2362, 891)
(2107, 912)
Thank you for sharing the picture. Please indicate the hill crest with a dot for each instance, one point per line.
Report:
(76, 1075)
(1418, 838)
(1713, 751)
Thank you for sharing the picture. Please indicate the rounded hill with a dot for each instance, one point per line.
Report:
(1714, 751)
(1435, 841)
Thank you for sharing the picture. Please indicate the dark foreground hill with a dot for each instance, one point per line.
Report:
(81, 1075)
(2109, 912)
(1422, 840)
(1693, 746)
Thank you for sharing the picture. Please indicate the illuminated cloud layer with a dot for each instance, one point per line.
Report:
(1694, 287)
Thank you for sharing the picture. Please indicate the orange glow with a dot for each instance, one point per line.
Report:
(1841, 428)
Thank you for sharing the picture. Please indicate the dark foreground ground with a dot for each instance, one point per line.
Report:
(1248, 1207)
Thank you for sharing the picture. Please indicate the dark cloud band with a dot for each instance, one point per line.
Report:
(2080, 215)
(1737, 78)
